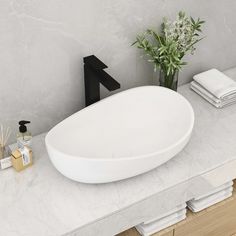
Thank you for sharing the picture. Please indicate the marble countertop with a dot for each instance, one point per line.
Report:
(41, 202)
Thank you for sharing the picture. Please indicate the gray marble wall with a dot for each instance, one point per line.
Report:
(42, 43)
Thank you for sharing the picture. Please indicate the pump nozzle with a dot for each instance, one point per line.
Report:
(23, 127)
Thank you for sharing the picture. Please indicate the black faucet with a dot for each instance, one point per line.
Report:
(93, 76)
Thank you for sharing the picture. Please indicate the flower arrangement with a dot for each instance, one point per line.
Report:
(4, 136)
(167, 49)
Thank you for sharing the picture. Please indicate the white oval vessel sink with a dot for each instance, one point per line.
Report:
(121, 136)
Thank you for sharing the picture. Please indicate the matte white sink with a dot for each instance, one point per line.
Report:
(121, 136)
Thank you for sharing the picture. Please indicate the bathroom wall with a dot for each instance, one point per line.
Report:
(42, 43)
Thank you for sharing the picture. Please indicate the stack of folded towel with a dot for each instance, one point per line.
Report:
(163, 221)
(216, 195)
(215, 87)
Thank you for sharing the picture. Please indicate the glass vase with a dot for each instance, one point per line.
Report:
(169, 81)
(4, 151)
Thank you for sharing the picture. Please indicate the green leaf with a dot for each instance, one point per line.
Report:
(134, 43)
(201, 22)
(192, 20)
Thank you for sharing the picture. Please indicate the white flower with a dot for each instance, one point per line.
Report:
(181, 31)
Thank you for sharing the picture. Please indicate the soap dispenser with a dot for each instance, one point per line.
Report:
(24, 137)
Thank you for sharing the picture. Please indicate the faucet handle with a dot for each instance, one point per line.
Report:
(94, 62)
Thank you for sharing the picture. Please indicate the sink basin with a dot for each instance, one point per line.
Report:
(121, 136)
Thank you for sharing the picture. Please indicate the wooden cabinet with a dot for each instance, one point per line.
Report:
(218, 220)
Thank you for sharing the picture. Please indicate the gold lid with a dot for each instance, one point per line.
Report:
(16, 154)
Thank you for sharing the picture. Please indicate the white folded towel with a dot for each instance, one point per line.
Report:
(219, 103)
(199, 205)
(156, 226)
(168, 213)
(215, 190)
(216, 83)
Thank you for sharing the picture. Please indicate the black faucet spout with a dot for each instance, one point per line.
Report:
(94, 74)
(107, 81)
